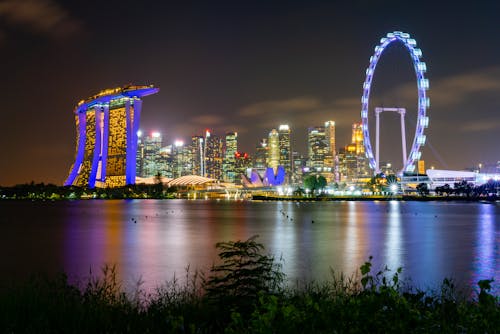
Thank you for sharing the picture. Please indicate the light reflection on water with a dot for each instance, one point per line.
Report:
(151, 240)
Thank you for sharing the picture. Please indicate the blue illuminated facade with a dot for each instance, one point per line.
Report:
(107, 125)
(275, 179)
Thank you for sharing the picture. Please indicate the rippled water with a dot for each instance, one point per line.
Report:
(153, 239)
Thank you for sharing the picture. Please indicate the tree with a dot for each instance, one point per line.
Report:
(310, 182)
(422, 189)
(298, 192)
(321, 182)
(158, 188)
(243, 274)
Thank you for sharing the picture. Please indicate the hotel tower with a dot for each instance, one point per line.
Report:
(106, 137)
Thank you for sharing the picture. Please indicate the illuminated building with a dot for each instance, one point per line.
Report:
(229, 163)
(181, 159)
(106, 143)
(285, 151)
(140, 154)
(299, 164)
(153, 160)
(387, 168)
(213, 153)
(317, 148)
(321, 160)
(330, 141)
(363, 168)
(348, 163)
(243, 163)
(357, 138)
(261, 152)
(353, 164)
(197, 155)
(273, 152)
(421, 167)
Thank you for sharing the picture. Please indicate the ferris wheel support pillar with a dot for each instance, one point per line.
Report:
(378, 111)
(402, 112)
(377, 139)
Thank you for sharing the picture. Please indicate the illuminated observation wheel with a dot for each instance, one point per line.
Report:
(423, 101)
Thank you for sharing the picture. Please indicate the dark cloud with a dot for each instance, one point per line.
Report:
(303, 111)
(39, 16)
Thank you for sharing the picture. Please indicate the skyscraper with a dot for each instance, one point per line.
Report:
(285, 158)
(140, 154)
(299, 163)
(106, 145)
(243, 163)
(197, 155)
(213, 156)
(321, 158)
(260, 160)
(273, 153)
(353, 161)
(363, 168)
(330, 141)
(229, 163)
(153, 161)
(357, 138)
(317, 148)
(181, 159)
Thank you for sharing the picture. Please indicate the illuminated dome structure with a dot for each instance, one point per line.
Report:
(423, 101)
(106, 138)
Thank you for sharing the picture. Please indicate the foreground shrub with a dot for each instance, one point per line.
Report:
(243, 274)
(245, 294)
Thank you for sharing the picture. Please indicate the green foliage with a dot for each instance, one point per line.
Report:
(243, 274)
(310, 182)
(370, 302)
(314, 182)
(321, 182)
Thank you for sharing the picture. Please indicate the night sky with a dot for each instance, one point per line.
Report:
(246, 66)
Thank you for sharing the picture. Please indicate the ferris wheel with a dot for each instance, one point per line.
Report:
(423, 101)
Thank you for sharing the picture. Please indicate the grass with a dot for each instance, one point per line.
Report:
(246, 293)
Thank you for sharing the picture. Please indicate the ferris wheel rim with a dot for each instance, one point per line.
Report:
(423, 101)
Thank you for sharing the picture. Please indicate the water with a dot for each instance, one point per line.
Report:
(151, 240)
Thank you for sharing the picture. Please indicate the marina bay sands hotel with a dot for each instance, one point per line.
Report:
(106, 140)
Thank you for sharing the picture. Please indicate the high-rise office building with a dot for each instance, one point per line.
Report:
(197, 155)
(214, 146)
(348, 163)
(243, 163)
(285, 150)
(321, 150)
(330, 141)
(353, 162)
(260, 159)
(181, 159)
(317, 148)
(357, 138)
(106, 143)
(273, 152)
(140, 153)
(229, 163)
(153, 159)
(363, 170)
(299, 164)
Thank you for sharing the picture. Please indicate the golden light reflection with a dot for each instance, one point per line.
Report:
(393, 244)
(355, 238)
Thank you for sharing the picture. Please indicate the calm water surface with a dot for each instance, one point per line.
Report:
(152, 239)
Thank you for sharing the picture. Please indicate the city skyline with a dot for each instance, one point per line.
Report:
(246, 68)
